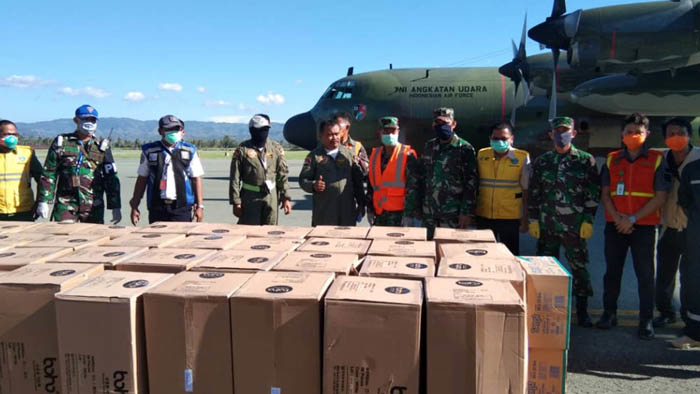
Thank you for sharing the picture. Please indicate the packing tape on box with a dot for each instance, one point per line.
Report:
(189, 381)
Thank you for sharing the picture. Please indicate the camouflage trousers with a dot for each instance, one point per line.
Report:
(576, 251)
(432, 223)
(389, 218)
(94, 214)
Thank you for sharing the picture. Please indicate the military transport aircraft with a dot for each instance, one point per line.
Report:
(637, 57)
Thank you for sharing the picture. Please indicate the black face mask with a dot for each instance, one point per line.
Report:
(259, 136)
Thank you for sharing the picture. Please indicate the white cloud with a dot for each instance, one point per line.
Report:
(244, 107)
(134, 96)
(271, 98)
(86, 91)
(230, 119)
(22, 81)
(175, 87)
(217, 103)
(201, 89)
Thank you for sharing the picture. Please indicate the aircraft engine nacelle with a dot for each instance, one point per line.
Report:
(653, 95)
(583, 54)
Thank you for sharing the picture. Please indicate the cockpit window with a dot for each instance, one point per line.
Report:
(341, 90)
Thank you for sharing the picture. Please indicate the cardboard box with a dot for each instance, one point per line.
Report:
(476, 250)
(165, 260)
(504, 270)
(372, 339)
(219, 228)
(398, 233)
(398, 267)
(240, 261)
(452, 235)
(475, 337)
(11, 240)
(112, 231)
(75, 241)
(335, 245)
(13, 226)
(546, 372)
(285, 245)
(339, 232)
(403, 248)
(101, 334)
(548, 288)
(276, 333)
(188, 333)
(339, 263)
(18, 257)
(29, 361)
(210, 241)
(63, 228)
(105, 255)
(167, 228)
(291, 232)
(146, 240)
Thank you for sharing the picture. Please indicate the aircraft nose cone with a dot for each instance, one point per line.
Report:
(301, 130)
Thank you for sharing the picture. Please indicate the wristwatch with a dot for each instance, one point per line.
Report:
(633, 219)
(197, 206)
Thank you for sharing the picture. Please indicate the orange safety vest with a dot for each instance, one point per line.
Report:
(389, 187)
(632, 184)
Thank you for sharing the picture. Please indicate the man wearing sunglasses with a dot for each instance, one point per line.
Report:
(18, 165)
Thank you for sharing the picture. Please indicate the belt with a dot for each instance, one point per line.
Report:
(251, 188)
(168, 202)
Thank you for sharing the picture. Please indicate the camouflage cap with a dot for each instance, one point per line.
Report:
(444, 114)
(561, 121)
(389, 122)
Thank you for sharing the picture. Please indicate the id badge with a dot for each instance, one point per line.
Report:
(75, 179)
(163, 184)
(620, 189)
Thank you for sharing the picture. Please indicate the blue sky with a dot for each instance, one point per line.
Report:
(226, 60)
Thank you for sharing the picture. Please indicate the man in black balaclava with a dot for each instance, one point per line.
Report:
(258, 177)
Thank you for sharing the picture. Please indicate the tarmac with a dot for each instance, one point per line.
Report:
(613, 361)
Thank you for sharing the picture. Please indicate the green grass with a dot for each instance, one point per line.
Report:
(204, 154)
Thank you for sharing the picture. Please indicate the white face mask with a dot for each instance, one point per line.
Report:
(86, 127)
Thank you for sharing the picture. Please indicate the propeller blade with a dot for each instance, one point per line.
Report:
(553, 96)
(515, 105)
(515, 50)
(526, 89)
(559, 8)
(523, 40)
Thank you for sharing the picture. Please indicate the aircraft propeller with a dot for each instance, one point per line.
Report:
(518, 70)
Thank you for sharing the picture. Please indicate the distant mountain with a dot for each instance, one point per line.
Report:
(132, 129)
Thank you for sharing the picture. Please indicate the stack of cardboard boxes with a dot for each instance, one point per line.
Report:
(247, 310)
(548, 290)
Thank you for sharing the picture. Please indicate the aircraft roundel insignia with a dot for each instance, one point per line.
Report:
(360, 111)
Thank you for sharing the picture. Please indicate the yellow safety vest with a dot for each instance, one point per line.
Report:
(500, 194)
(15, 181)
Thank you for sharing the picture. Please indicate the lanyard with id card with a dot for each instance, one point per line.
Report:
(620, 191)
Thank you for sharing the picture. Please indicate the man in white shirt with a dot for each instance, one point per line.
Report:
(171, 173)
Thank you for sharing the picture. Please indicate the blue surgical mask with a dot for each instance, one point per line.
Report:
(390, 139)
(10, 141)
(443, 131)
(500, 146)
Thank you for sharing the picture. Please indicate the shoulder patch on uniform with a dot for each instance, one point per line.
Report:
(251, 153)
(185, 154)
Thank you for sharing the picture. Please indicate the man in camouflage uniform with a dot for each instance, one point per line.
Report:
(78, 170)
(564, 195)
(389, 195)
(447, 185)
(335, 179)
(259, 177)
